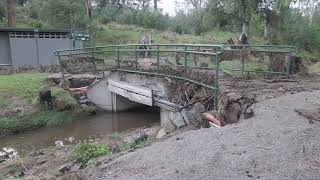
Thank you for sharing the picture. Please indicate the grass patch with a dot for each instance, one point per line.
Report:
(4, 102)
(114, 33)
(252, 65)
(25, 122)
(85, 152)
(52, 173)
(141, 142)
(25, 85)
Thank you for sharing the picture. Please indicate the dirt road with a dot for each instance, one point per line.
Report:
(275, 144)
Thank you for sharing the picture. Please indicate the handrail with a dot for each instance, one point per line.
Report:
(214, 51)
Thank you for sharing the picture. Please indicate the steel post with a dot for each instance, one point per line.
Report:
(158, 58)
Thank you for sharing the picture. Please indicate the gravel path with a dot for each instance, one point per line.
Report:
(275, 144)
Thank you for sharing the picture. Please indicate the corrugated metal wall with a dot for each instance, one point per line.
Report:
(5, 57)
(35, 49)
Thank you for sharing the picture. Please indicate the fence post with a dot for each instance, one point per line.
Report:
(93, 59)
(136, 57)
(118, 56)
(61, 68)
(289, 63)
(186, 60)
(242, 60)
(158, 58)
(216, 78)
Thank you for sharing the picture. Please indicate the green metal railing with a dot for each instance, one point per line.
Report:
(168, 56)
(252, 49)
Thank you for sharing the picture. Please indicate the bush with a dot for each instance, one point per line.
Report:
(36, 24)
(63, 100)
(25, 122)
(105, 19)
(84, 152)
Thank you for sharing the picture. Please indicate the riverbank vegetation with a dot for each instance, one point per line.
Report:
(20, 107)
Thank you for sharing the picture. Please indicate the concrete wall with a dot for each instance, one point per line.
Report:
(103, 98)
(5, 55)
(99, 94)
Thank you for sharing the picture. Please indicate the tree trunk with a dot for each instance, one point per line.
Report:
(155, 4)
(265, 33)
(88, 8)
(10, 10)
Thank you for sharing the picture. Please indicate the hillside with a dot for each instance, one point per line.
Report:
(114, 33)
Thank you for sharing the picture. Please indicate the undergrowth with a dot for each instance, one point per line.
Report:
(23, 122)
(84, 152)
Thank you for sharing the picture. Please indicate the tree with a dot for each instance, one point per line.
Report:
(155, 5)
(10, 11)
(2, 11)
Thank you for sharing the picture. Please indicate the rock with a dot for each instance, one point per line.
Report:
(71, 139)
(161, 133)
(115, 149)
(75, 167)
(177, 119)
(41, 160)
(249, 113)
(150, 131)
(234, 96)
(198, 108)
(132, 138)
(59, 144)
(66, 167)
(281, 89)
(7, 153)
(233, 113)
(187, 116)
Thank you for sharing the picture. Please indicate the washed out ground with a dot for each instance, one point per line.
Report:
(274, 126)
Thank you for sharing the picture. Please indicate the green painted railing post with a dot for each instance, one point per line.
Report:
(93, 59)
(158, 59)
(289, 62)
(216, 78)
(242, 60)
(118, 56)
(136, 57)
(186, 60)
(61, 68)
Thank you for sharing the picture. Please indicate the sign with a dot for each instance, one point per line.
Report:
(82, 36)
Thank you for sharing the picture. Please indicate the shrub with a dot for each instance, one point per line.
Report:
(105, 20)
(84, 152)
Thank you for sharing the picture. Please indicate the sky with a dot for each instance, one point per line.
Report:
(168, 6)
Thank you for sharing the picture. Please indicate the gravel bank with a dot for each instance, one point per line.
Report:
(275, 144)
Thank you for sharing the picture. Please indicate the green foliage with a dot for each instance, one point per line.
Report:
(141, 142)
(105, 20)
(25, 122)
(84, 152)
(145, 18)
(52, 172)
(64, 97)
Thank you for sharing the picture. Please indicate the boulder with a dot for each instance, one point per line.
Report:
(161, 133)
(177, 119)
(66, 167)
(59, 144)
(234, 96)
(249, 113)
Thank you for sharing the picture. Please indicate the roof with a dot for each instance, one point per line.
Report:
(35, 30)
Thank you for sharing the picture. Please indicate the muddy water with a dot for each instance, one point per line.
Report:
(85, 128)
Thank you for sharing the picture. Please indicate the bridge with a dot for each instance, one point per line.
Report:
(154, 74)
